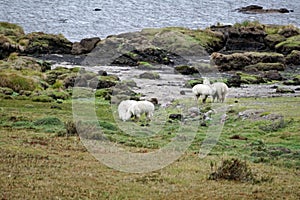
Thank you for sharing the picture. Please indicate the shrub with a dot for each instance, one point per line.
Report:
(233, 169)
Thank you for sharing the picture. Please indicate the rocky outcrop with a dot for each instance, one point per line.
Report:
(255, 9)
(42, 43)
(238, 61)
(84, 46)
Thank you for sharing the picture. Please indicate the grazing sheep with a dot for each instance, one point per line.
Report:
(204, 91)
(141, 107)
(221, 90)
(123, 108)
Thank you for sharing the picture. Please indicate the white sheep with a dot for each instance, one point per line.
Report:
(221, 90)
(123, 108)
(139, 108)
(204, 91)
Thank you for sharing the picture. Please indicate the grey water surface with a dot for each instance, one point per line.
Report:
(78, 19)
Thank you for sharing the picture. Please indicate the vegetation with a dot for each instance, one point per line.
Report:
(32, 136)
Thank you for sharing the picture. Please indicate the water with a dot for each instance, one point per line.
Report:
(76, 19)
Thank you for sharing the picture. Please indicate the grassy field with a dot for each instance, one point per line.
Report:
(38, 160)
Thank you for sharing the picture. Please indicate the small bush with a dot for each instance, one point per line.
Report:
(233, 169)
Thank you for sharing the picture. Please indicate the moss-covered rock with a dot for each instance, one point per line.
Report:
(250, 78)
(293, 58)
(273, 39)
(287, 46)
(39, 43)
(186, 70)
(238, 61)
(42, 98)
(265, 67)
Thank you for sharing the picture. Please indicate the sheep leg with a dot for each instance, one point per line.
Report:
(204, 99)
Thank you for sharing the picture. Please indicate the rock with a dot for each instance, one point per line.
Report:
(237, 61)
(102, 73)
(148, 55)
(238, 137)
(250, 78)
(294, 81)
(84, 46)
(272, 40)
(284, 90)
(287, 46)
(42, 43)
(186, 70)
(246, 38)
(265, 67)
(176, 116)
(255, 9)
(293, 58)
(168, 46)
(272, 75)
(149, 75)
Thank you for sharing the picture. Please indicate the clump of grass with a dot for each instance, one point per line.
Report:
(52, 121)
(233, 169)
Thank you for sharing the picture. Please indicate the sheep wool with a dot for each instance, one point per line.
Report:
(221, 91)
(123, 109)
(204, 91)
(141, 107)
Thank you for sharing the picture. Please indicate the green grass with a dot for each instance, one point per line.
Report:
(36, 163)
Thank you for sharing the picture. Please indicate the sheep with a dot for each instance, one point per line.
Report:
(221, 90)
(123, 108)
(203, 90)
(139, 108)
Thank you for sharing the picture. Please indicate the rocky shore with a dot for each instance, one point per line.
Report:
(244, 53)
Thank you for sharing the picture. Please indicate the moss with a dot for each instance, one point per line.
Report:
(192, 83)
(265, 67)
(292, 43)
(13, 31)
(250, 79)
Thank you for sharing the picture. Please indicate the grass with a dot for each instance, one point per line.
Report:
(36, 163)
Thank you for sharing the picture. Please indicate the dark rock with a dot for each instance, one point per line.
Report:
(182, 92)
(148, 55)
(272, 75)
(84, 46)
(284, 90)
(255, 9)
(186, 70)
(42, 43)
(293, 58)
(97, 9)
(102, 73)
(238, 61)
(238, 137)
(176, 116)
(234, 81)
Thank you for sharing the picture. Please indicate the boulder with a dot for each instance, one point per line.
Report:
(293, 58)
(241, 37)
(149, 75)
(186, 70)
(290, 44)
(265, 67)
(272, 75)
(42, 43)
(84, 46)
(255, 9)
(238, 61)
